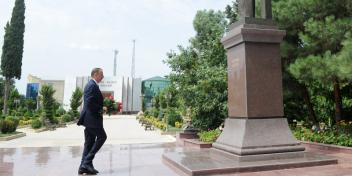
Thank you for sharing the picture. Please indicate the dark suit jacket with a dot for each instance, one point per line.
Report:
(92, 113)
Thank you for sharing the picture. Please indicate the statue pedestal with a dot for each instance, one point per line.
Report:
(256, 135)
(256, 124)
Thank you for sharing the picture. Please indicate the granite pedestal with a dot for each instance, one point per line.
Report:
(256, 135)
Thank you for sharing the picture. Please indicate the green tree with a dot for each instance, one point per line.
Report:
(12, 50)
(345, 60)
(31, 104)
(320, 38)
(76, 101)
(48, 102)
(231, 12)
(199, 76)
(14, 99)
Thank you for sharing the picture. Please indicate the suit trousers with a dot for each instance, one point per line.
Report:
(94, 140)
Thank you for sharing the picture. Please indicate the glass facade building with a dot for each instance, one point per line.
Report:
(32, 91)
(152, 87)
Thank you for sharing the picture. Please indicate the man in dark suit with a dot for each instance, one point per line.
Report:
(92, 119)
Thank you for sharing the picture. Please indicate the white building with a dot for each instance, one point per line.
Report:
(122, 89)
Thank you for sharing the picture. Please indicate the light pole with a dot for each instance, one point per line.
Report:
(16, 101)
(168, 99)
(115, 61)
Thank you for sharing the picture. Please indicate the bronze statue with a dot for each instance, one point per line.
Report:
(247, 8)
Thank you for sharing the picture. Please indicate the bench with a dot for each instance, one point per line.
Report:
(148, 125)
(144, 122)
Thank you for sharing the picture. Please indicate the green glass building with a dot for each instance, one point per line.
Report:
(152, 87)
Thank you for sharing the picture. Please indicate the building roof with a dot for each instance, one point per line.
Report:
(157, 78)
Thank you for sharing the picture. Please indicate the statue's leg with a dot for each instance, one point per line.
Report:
(266, 9)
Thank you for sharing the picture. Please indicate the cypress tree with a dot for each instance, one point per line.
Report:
(12, 51)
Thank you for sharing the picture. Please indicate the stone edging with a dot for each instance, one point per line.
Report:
(196, 143)
(18, 135)
(40, 130)
(330, 147)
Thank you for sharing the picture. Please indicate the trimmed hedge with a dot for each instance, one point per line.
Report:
(8, 126)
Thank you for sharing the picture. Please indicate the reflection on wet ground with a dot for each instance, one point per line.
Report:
(132, 159)
(135, 160)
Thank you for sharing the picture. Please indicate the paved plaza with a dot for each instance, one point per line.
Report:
(129, 151)
(122, 129)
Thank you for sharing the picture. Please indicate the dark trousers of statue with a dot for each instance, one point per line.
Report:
(94, 140)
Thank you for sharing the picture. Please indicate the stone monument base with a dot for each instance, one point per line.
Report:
(214, 161)
(252, 136)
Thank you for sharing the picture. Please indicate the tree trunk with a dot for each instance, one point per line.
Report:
(6, 95)
(312, 117)
(338, 101)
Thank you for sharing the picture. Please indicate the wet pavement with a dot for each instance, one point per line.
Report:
(134, 160)
(141, 157)
(126, 160)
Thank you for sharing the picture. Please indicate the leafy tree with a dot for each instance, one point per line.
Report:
(14, 99)
(76, 101)
(12, 50)
(48, 102)
(231, 12)
(199, 76)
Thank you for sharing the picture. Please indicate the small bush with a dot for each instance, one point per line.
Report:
(14, 119)
(36, 123)
(178, 124)
(25, 122)
(209, 136)
(173, 116)
(61, 111)
(146, 113)
(8, 126)
(67, 117)
(154, 112)
(28, 114)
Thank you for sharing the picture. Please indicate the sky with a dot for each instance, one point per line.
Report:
(68, 38)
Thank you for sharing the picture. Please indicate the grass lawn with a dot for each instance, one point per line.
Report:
(170, 128)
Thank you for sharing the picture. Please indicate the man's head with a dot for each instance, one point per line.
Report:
(97, 74)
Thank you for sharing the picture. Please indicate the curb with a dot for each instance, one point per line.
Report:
(15, 136)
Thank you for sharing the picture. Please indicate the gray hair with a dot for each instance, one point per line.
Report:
(94, 71)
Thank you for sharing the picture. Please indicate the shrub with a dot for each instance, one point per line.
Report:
(14, 119)
(111, 105)
(146, 113)
(61, 111)
(173, 116)
(25, 122)
(336, 135)
(36, 123)
(178, 124)
(8, 126)
(154, 112)
(67, 117)
(209, 136)
(28, 113)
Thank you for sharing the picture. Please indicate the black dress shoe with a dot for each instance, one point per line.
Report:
(96, 171)
(86, 170)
